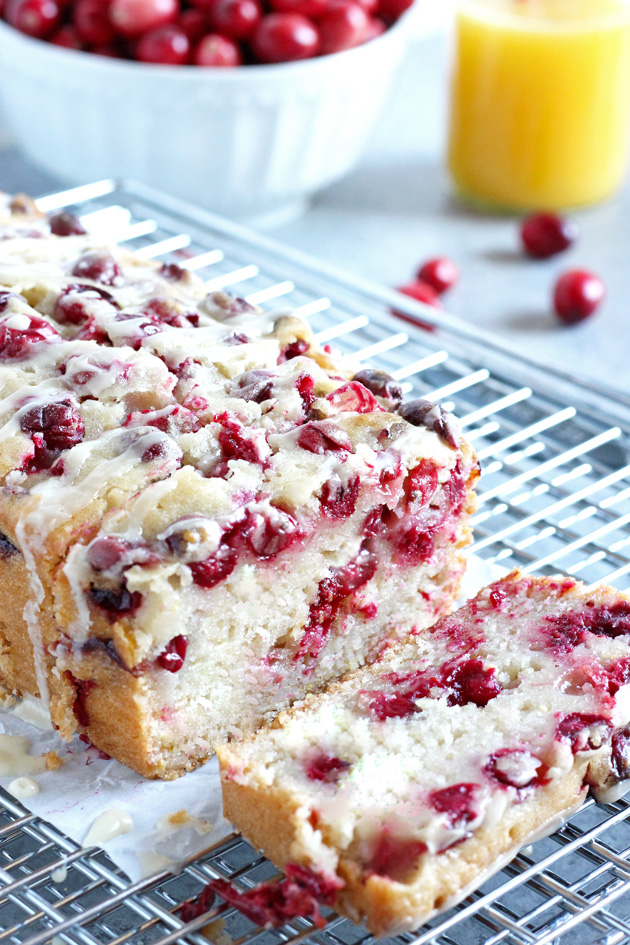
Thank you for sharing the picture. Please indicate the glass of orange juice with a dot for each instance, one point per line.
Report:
(540, 102)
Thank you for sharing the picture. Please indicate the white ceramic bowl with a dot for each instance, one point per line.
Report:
(245, 142)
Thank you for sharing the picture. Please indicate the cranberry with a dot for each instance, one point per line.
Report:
(326, 768)
(515, 767)
(60, 424)
(173, 655)
(440, 274)
(395, 857)
(133, 17)
(387, 705)
(458, 802)
(236, 19)
(285, 37)
(70, 310)
(620, 754)
(167, 45)
(266, 534)
(577, 294)
(546, 234)
(339, 499)
(255, 385)
(82, 688)
(576, 728)
(234, 444)
(213, 570)
(195, 25)
(199, 906)
(421, 292)
(16, 342)
(311, 8)
(38, 18)
(381, 384)
(116, 602)
(353, 397)
(7, 548)
(568, 630)
(67, 224)
(370, 6)
(343, 25)
(376, 28)
(391, 9)
(323, 436)
(293, 350)
(618, 675)
(421, 483)
(107, 552)
(434, 417)
(67, 36)
(215, 50)
(306, 389)
(99, 266)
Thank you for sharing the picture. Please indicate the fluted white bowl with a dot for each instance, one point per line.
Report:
(245, 142)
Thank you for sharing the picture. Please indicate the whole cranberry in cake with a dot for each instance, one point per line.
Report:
(327, 768)
(459, 802)
(342, 25)
(60, 424)
(382, 385)
(434, 417)
(20, 333)
(73, 305)
(285, 37)
(440, 273)
(64, 223)
(174, 653)
(323, 436)
(547, 234)
(293, 350)
(99, 266)
(107, 553)
(577, 295)
(37, 18)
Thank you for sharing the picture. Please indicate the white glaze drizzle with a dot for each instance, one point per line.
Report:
(14, 757)
(111, 823)
(22, 788)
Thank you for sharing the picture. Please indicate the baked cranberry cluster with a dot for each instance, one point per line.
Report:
(205, 32)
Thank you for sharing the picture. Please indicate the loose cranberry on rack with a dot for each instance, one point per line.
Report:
(440, 274)
(577, 294)
(166, 45)
(285, 37)
(547, 234)
(422, 292)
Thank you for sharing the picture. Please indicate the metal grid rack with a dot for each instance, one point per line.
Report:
(554, 496)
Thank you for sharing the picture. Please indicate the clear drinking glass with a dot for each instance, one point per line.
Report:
(540, 101)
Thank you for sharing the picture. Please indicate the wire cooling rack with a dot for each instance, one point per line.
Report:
(554, 496)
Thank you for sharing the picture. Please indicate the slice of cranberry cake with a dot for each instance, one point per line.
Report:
(408, 783)
(204, 515)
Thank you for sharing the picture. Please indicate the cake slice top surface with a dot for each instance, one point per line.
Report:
(446, 731)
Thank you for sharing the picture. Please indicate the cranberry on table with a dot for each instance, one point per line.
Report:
(165, 45)
(37, 18)
(577, 294)
(133, 17)
(236, 19)
(285, 37)
(422, 292)
(344, 25)
(215, 50)
(440, 273)
(547, 234)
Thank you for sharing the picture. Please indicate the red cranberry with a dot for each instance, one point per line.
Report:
(343, 25)
(38, 18)
(576, 728)
(440, 274)
(68, 37)
(381, 384)
(387, 705)
(577, 294)
(459, 802)
(546, 234)
(515, 767)
(133, 17)
(311, 8)
(421, 483)
(98, 266)
(213, 570)
(370, 6)
(395, 857)
(392, 9)
(376, 28)
(285, 37)
(323, 436)
(81, 688)
(66, 224)
(326, 768)
(620, 754)
(91, 18)
(273, 904)
(236, 19)
(60, 424)
(167, 45)
(170, 270)
(116, 602)
(71, 310)
(353, 397)
(107, 552)
(214, 50)
(234, 443)
(265, 535)
(339, 499)
(173, 655)
(422, 292)
(294, 350)
(306, 389)
(195, 25)
(254, 385)
(16, 343)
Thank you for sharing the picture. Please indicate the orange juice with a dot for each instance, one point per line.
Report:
(540, 106)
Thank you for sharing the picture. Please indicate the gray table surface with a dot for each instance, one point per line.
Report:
(395, 210)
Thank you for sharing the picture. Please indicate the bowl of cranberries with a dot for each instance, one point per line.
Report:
(245, 106)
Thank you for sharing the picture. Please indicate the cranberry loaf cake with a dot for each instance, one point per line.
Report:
(204, 516)
(404, 786)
